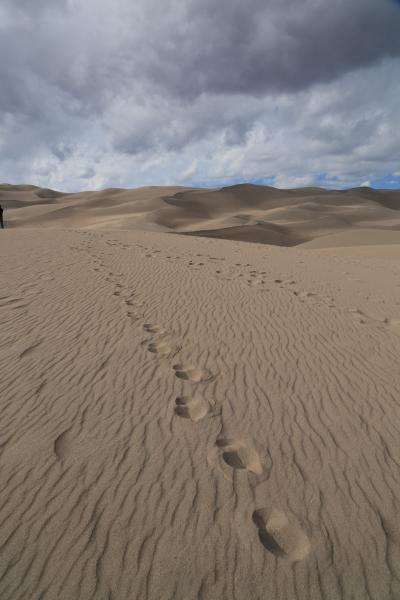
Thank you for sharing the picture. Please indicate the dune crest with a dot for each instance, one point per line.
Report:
(252, 213)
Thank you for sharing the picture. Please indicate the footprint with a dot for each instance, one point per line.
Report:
(238, 455)
(281, 536)
(133, 315)
(257, 284)
(189, 373)
(392, 322)
(254, 282)
(192, 408)
(358, 314)
(46, 277)
(63, 445)
(159, 348)
(152, 328)
(131, 302)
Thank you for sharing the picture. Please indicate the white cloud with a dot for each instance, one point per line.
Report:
(127, 94)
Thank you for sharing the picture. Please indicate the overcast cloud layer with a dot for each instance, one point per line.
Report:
(96, 93)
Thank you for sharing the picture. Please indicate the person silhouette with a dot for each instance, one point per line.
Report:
(1, 217)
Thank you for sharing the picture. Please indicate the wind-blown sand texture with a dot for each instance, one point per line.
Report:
(190, 418)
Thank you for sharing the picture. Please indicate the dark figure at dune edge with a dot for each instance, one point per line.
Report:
(1, 217)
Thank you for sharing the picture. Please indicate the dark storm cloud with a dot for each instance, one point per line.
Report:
(258, 46)
(91, 49)
(83, 78)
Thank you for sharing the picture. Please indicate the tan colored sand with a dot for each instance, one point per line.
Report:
(251, 213)
(193, 418)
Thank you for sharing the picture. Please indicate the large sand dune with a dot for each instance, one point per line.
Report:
(242, 212)
(189, 418)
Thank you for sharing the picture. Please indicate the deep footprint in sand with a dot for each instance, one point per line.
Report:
(238, 455)
(63, 445)
(255, 282)
(280, 535)
(393, 323)
(152, 328)
(132, 302)
(133, 316)
(189, 373)
(193, 408)
(359, 316)
(159, 348)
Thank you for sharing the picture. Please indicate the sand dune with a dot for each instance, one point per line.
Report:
(185, 417)
(246, 212)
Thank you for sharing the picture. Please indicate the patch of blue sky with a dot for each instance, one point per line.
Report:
(391, 181)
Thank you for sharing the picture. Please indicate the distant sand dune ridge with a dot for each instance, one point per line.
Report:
(245, 212)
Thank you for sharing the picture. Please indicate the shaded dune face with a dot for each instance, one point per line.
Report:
(261, 233)
(247, 213)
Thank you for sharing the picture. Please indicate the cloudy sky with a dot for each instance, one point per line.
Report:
(101, 93)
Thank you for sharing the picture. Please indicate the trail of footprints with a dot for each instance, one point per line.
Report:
(359, 316)
(257, 281)
(193, 408)
(133, 307)
(280, 534)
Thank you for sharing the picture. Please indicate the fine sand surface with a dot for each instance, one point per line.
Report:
(188, 417)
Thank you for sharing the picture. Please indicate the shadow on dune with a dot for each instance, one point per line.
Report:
(244, 212)
(261, 233)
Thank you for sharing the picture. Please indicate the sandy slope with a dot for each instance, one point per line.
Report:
(190, 418)
(242, 212)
